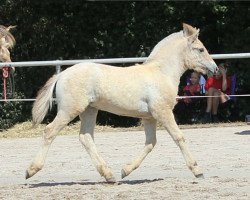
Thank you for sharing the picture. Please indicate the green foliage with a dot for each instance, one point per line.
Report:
(60, 29)
(11, 113)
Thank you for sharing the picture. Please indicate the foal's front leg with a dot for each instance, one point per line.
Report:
(150, 132)
(166, 117)
(88, 121)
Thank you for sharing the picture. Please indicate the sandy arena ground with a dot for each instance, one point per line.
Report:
(223, 153)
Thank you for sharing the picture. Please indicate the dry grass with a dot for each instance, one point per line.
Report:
(26, 130)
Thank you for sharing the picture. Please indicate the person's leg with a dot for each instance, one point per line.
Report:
(215, 105)
(215, 102)
(210, 92)
(207, 115)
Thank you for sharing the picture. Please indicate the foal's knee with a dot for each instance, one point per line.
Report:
(150, 146)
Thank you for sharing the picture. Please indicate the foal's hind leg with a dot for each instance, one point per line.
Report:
(88, 121)
(60, 121)
(166, 118)
(150, 132)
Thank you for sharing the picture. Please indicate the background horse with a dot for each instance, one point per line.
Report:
(145, 91)
(7, 41)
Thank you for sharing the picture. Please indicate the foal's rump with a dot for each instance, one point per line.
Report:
(71, 86)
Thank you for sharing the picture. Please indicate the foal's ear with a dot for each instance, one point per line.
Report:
(10, 27)
(190, 32)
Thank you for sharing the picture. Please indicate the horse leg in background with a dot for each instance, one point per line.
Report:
(166, 118)
(60, 121)
(150, 132)
(88, 121)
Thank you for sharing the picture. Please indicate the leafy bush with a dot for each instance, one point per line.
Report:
(12, 112)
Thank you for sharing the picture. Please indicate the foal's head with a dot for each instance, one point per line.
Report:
(196, 55)
(7, 41)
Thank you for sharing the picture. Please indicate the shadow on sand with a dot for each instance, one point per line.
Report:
(129, 182)
(243, 133)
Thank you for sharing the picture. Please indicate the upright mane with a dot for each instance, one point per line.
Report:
(6, 37)
(163, 44)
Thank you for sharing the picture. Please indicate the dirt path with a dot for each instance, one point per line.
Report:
(224, 154)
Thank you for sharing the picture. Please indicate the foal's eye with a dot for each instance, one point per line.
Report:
(201, 50)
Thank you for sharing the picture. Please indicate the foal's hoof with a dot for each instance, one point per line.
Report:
(200, 176)
(123, 173)
(111, 180)
(27, 175)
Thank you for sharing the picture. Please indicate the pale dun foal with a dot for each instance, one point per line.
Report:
(145, 91)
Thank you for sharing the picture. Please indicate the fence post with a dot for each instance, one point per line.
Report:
(58, 69)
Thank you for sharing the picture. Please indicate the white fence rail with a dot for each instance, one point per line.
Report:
(59, 63)
(107, 61)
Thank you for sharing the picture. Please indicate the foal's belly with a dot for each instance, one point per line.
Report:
(138, 111)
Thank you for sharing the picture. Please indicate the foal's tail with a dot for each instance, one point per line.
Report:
(43, 100)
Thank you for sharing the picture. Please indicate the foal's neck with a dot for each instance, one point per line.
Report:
(168, 55)
(172, 66)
